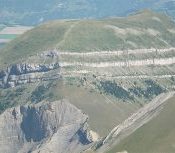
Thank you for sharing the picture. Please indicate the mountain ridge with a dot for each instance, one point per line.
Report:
(35, 12)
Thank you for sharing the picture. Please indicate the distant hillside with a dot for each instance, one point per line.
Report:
(33, 12)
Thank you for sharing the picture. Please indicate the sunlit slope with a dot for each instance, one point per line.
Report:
(143, 30)
(155, 137)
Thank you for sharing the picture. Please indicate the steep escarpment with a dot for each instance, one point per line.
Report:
(56, 127)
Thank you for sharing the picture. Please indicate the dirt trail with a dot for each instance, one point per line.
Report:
(67, 34)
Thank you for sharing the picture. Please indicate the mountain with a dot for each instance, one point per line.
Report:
(107, 68)
(33, 12)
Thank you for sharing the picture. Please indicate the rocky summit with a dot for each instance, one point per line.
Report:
(57, 127)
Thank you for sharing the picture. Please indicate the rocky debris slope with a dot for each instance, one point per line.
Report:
(138, 119)
(56, 127)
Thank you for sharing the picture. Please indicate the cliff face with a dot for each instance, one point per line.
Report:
(56, 127)
(25, 73)
(22, 73)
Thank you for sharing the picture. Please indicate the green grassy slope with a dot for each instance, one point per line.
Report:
(157, 136)
(143, 30)
(38, 39)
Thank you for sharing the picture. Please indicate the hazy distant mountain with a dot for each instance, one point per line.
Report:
(36, 11)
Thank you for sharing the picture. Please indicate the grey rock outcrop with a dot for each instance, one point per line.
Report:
(56, 127)
(25, 73)
(50, 54)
